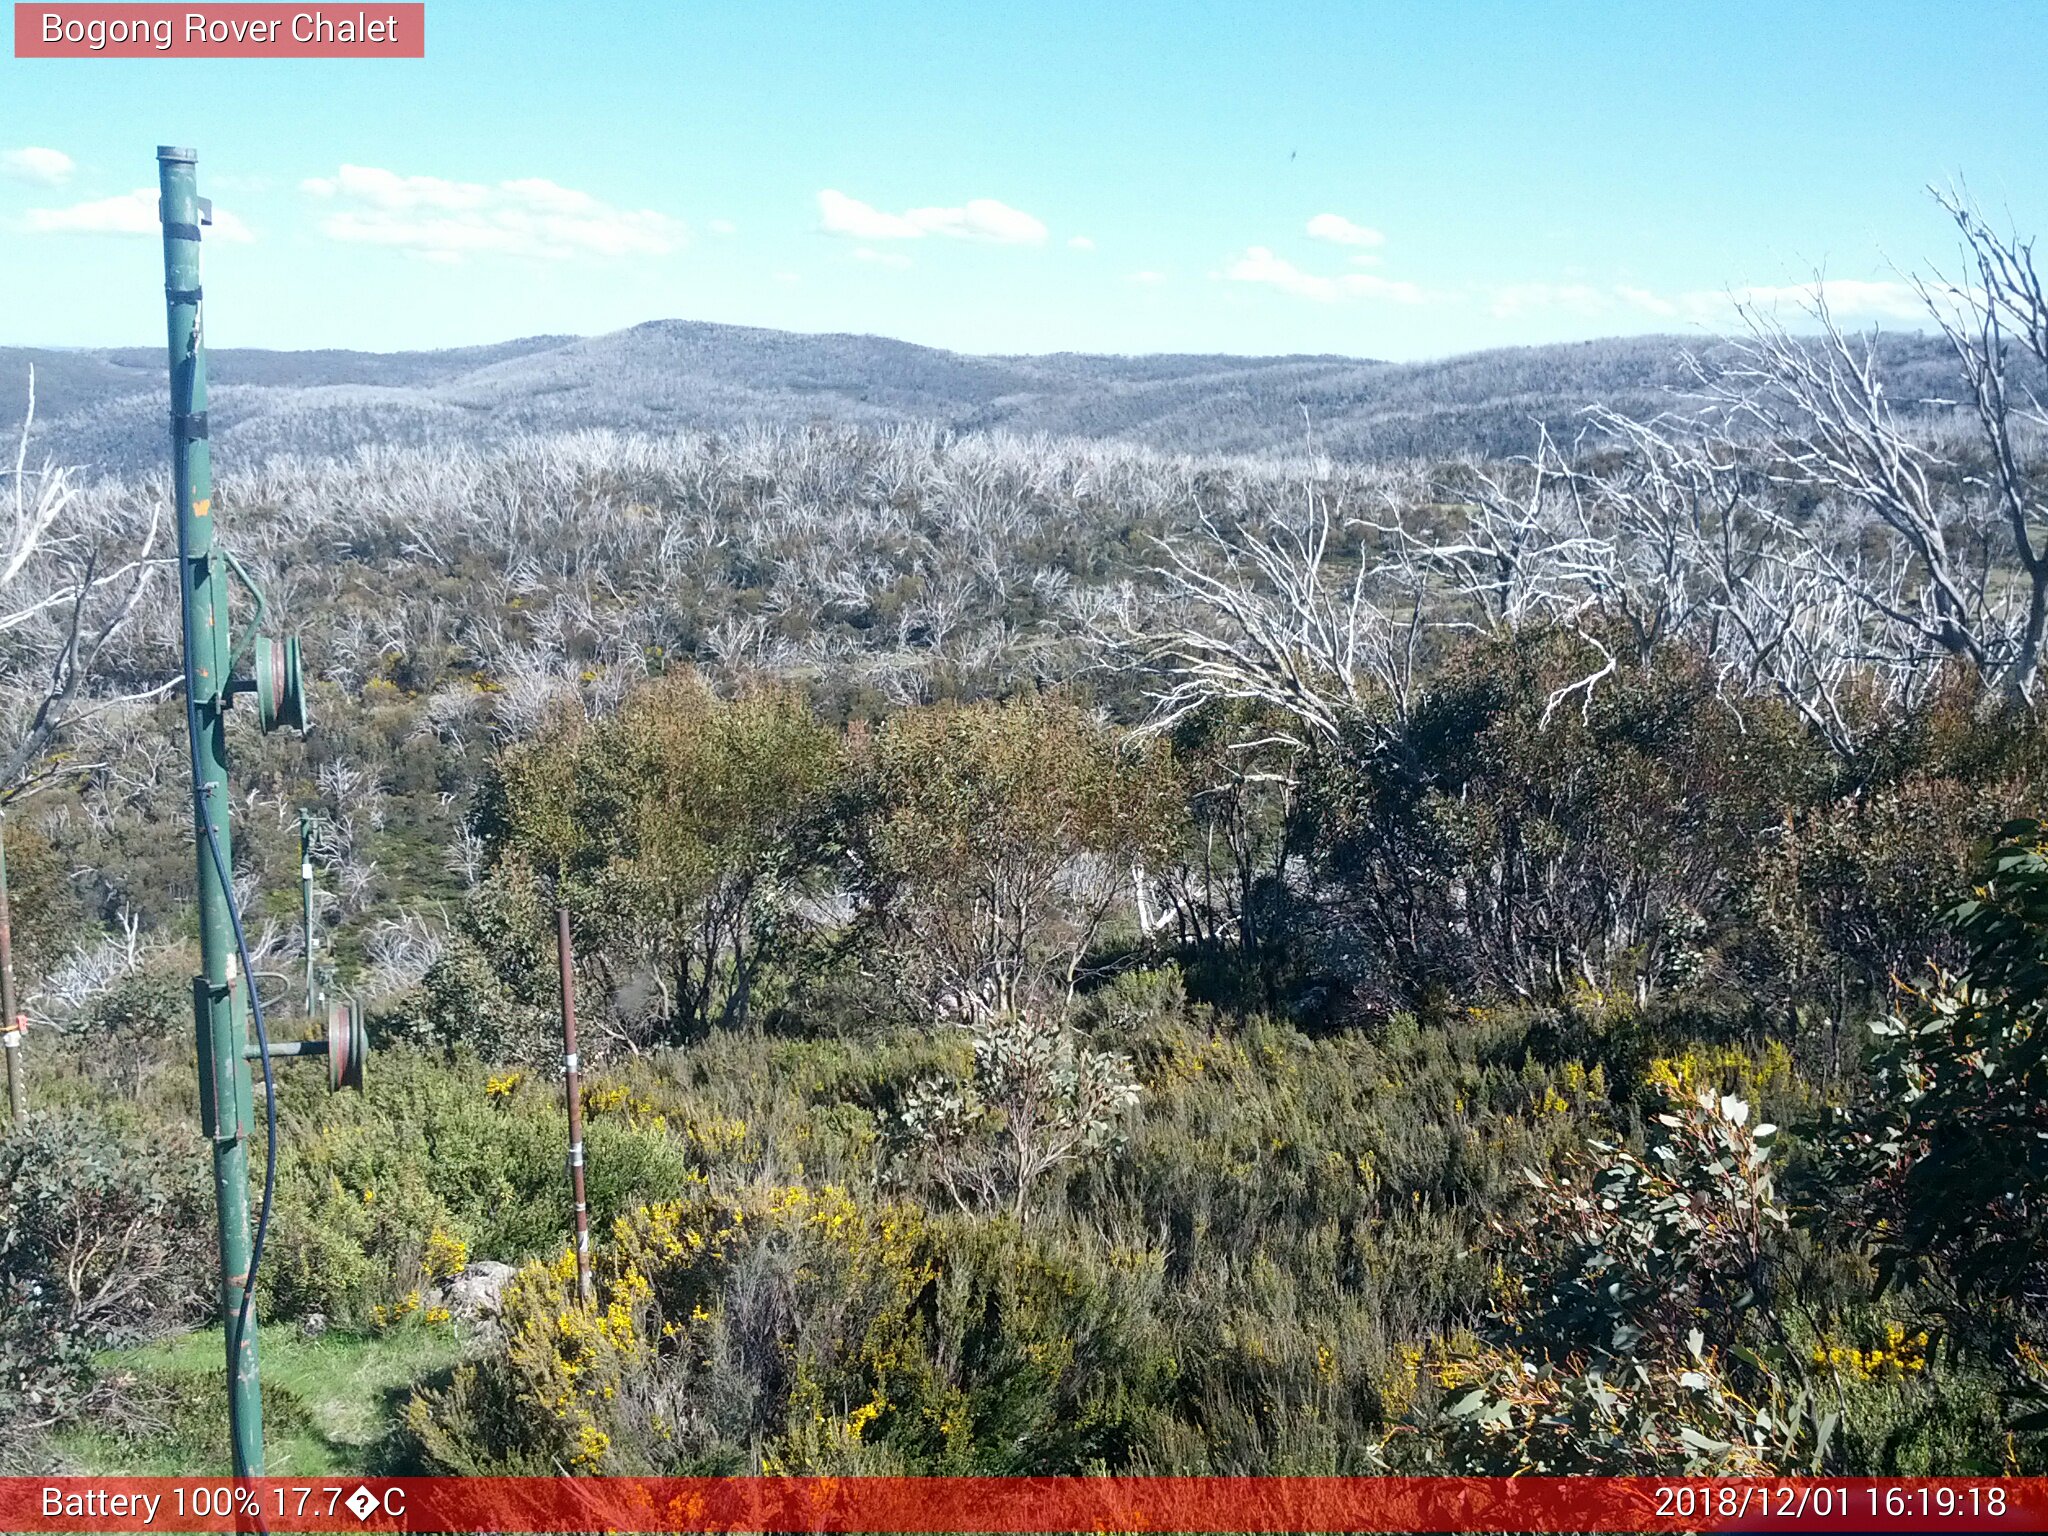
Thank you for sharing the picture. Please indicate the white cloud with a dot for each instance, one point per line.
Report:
(723, 227)
(395, 193)
(1080, 243)
(981, 218)
(1644, 299)
(1713, 307)
(1259, 265)
(1338, 230)
(1716, 306)
(877, 258)
(1845, 296)
(44, 167)
(839, 214)
(132, 213)
(1513, 299)
(448, 221)
(1148, 277)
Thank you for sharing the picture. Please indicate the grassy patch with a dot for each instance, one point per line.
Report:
(327, 1402)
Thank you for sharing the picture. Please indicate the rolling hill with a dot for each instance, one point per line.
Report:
(104, 408)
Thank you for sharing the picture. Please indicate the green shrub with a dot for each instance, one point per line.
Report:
(1604, 842)
(1633, 1331)
(685, 834)
(1941, 1168)
(991, 846)
(801, 1330)
(365, 1181)
(105, 1238)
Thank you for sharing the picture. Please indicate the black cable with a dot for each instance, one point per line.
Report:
(200, 791)
(241, 1330)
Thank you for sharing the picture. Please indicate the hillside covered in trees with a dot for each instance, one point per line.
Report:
(1091, 957)
(103, 408)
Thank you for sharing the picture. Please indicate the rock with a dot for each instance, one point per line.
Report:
(313, 1325)
(473, 1294)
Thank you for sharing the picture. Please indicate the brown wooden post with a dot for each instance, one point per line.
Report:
(10, 1024)
(572, 1084)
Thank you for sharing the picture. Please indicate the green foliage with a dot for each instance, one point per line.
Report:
(1600, 1358)
(1301, 1221)
(124, 1029)
(1228, 882)
(797, 1329)
(991, 844)
(101, 1242)
(1210, 1194)
(685, 833)
(493, 990)
(46, 911)
(1604, 841)
(1038, 1098)
(366, 1181)
(1941, 1168)
(1854, 893)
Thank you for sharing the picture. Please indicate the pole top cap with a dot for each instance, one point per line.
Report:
(172, 152)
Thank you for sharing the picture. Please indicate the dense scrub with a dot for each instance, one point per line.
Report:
(1089, 960)
(961, 1108)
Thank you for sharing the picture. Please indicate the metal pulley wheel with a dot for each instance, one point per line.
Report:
(280, 684)
(348, 1046)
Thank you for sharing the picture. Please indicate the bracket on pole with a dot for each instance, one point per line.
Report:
(280, 680)
(346, 1047)
(280, 684)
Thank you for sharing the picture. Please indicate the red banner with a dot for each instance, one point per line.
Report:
(101, 31)
(1024, 1504)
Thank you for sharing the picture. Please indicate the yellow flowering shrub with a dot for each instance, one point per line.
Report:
(883, 1343)
(397, 1312)
(445, 1255)
(1896, 1357)
(605, 1099)
(716, 1136)
(1724, 1069)
(1397, 1388)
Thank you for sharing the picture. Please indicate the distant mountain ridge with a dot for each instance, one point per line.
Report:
(105, 407)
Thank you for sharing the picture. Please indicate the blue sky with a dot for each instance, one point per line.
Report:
(1378, 179)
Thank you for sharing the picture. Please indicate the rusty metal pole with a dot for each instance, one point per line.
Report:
(312, 939)
(572, 1086)
(10, 1024)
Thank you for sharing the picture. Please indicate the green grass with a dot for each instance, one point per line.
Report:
(327, 1402)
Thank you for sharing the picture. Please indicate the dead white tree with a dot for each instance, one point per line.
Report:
(1525, 551)
(1673, 514)
(1985, 322)
(1894, 525)
(1521, 551)
(62, 602)
(1267, 618)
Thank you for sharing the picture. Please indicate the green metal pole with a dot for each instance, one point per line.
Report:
(306, 909)
(10, 1025)
(225, 1094)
